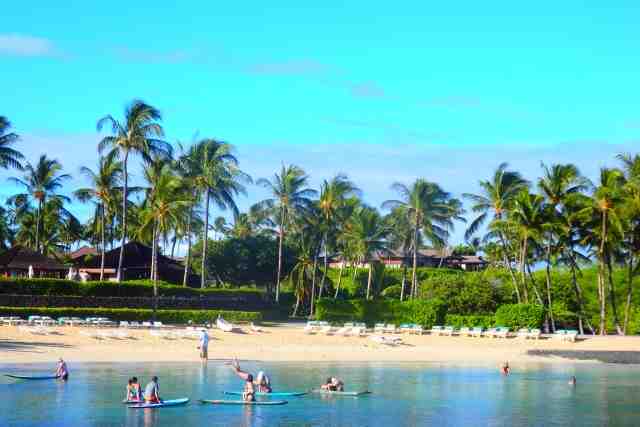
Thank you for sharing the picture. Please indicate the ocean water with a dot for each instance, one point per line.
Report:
(402, 395)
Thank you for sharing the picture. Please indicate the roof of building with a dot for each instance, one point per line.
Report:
(19, 257)
(136, 255)
(83, 252)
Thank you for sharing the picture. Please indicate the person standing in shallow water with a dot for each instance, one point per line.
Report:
(572, 381)
(504, 369)
(62, 371)
(203, 346)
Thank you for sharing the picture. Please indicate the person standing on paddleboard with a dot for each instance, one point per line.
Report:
(61, 371)
(203, 346)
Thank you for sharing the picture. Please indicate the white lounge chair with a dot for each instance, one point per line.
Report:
(255, 328)
(534, 334)
(390, 328)
(465, 331)
(477, 331)
(436, 330)
(158, 325)
(124, 324)
(379, 328)
(327, 330)
(417, 329)
(146, 324)
(309, 328)
(448, 331)
(225, 326)
(358, 331)
(343, 331)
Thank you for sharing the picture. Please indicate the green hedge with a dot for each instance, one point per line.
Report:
(136, 288)
(167, 316)
(518, 316)
(471, 320)
(425, 313)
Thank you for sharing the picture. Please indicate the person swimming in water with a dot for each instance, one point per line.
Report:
(62, 371)
(572, 381)
(262, 382)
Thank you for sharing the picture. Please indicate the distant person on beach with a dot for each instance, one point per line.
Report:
(572, 381)
(504, 369)
(61, 371)
(262, 383)
(333, 384)
(152, 391)
(203, 345)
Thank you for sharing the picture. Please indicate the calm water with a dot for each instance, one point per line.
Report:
(429, 394)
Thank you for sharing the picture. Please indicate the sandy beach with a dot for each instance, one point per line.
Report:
(289, 343)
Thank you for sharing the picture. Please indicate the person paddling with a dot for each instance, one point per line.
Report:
(62, 371)
(152, 391)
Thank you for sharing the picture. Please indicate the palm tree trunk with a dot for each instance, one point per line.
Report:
(601, 279)
(612, 297)
(355, 274)
(414, 280)
(38, 216)
(339, 280)
(280, 255)
(154, 260)
(523, 257)
(187, 263)
(313, 285)
(205, 237)
(507, 265)
(548, 278)
(125, 174)
(326, 265)
(369, 280)
(627, 307)
(152, 273)
(404, 279)
(173, 245)
(102, 244)
(534, 285)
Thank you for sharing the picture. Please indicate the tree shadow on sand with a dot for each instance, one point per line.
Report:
(31, 346)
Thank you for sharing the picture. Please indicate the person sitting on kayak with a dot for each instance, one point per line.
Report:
(263, 384)
(249, 391)
(333, 384)
(62, 372)
(151, 391)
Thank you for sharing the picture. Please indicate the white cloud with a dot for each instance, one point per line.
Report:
(25, 45)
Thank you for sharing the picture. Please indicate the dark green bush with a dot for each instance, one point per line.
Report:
(470, 320)
(167, 316)
(136, 288)
(518, 316)
(425, 313)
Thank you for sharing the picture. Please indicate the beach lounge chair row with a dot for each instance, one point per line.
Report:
(526, 333)
(411, 328)
(384, 328)
(569, 335)
(478, 331)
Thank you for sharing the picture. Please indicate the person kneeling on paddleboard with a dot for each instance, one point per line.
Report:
(62, 372)
(333, 384)
(152, 391)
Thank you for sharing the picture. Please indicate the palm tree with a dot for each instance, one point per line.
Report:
(167, 201)
(138, 133)
(9, 157)
(333, 197)
(605, 228)
(218, 176)
(430, 210)
(41, 183)
(558, 184)
(400, 238)
(366, 235)
(289, 197)
(104, 184)
(496, 199)
(631, 214)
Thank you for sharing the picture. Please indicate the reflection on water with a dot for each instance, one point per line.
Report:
(404, 394)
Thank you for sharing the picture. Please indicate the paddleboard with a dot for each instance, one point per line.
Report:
(272, 394)
(174, 402)
(341, 393)
(32, 377)
(242, 402)
(132, 402)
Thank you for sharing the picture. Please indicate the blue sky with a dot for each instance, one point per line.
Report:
(382, 91)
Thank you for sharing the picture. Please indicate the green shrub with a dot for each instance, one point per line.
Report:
(167, 316)
(392, 291)
(518, 316)
(425, 313)
(134, 288)
(470, 321)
